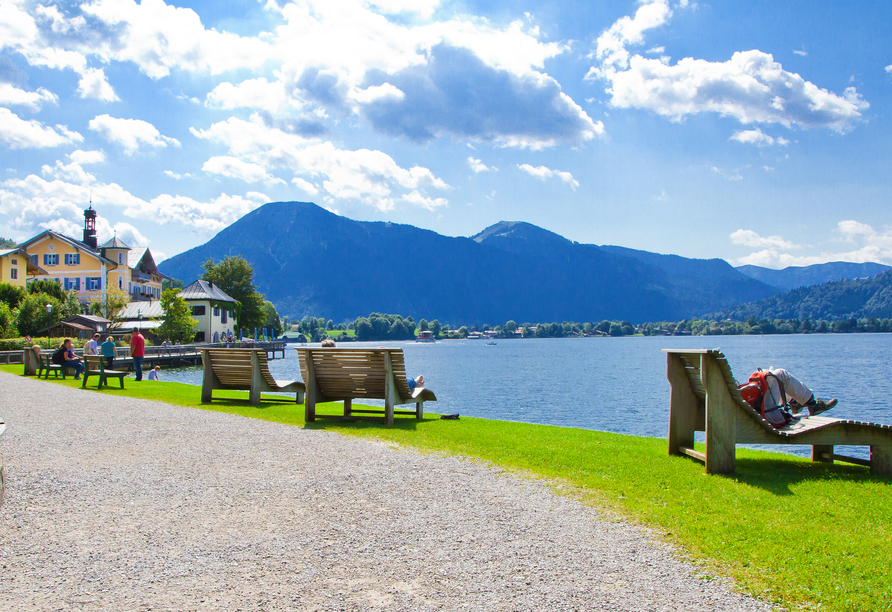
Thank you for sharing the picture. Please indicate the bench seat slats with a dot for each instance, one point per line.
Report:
(246, 370)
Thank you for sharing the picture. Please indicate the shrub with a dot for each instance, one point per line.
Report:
(33, 315)
(11, 295)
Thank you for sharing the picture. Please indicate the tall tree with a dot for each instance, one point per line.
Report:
(178, 325)
(272, 320)
(235, 276)
(33, 316)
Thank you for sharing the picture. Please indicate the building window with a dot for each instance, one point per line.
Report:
(223, 318)
(13, 274)
(198, 311)
(73, 283)
(94, 283)
(120, 282)
(51, 259)
(216, 311)
(199, 336)
(14, 261)
(72, 259)
(120, 258)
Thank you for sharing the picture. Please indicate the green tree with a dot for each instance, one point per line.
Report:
(463, 331)
(272, 320)
(7, 322)
(6, 243)
(48, 287)
(32, 315)
(422, 325)
(434, 326)
(12, 295)
(235, 276)
(616, 329)
(172, 283)
(178, 326)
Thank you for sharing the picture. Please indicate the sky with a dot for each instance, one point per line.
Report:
(758, 132)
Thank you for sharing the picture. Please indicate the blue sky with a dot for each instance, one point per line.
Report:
(758, 132)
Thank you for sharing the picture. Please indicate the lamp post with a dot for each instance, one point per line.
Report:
(49, 310)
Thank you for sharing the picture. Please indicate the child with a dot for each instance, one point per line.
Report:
(153, 374)
(108, 351)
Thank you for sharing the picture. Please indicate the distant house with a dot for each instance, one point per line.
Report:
(144, 316)
(212, 308)
(16, 267)
(145, 279)
(78, 326)
(475, 335)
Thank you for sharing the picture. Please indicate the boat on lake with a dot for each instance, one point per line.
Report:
(425, 336)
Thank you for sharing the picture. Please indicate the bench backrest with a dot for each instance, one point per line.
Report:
(344, 373)
(691, 359)
(233, 367)
(93, 363)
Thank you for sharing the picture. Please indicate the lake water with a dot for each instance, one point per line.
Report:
(619, 384)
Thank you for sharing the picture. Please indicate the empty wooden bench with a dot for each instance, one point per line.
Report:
(704, 397)
(243, 370)
(94, 365)
(343, 374)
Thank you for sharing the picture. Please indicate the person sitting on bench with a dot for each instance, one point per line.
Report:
(65, 357)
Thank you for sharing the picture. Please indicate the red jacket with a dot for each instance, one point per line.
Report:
(137, 345)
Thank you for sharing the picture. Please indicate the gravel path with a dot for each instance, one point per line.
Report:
(122, 504)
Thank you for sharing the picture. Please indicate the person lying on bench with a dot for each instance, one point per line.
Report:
(796, 393)
(416, 382)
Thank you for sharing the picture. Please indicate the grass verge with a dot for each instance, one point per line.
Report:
(806, 535)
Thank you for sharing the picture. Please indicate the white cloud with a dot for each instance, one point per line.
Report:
(93, 84)
(74, 171)
(752, 239)
(177, 176)
(868, 245)
(731, 176)
(478, 166)
(416, 198)
(542, 173)
(34, 202)
(611, 44)
(889, 69)
(17, 133)
(802, 53)
(233, 167)
(365, 175)
(253, 93)
(750, 87)
(130, 133)
(11, 95)
(307, 186)
(758, 137)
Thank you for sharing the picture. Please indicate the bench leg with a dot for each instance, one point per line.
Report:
(419, 410)
(881, 460)
(121, 378)
(84, 384)
(388, 411)
(348, 407)
(682, 406)
(819, 450)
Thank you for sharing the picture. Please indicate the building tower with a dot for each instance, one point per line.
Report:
(90, 228)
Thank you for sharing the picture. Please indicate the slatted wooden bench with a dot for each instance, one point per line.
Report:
(344, 374)
(243, 370)
(704, 397)
(94, 365)
(47, 366)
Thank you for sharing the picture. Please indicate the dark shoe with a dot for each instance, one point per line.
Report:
(795, 407)
(449, 417)
(820, 406)
(77, 378)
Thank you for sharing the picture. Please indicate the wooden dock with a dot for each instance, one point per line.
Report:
(184, 355)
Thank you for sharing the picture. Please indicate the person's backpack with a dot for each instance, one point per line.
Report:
(60, 356)
(757, 390)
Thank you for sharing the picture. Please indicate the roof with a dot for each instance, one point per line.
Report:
(203, 290)
(33, 269)
(92, 318)
(143, 256)
(144, 324)
(141, 310)
(114, 243)
(77, 244)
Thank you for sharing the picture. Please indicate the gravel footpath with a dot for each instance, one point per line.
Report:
(124, 504)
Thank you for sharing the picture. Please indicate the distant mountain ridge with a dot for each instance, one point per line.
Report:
(309, 261)
(844, 299)
(794, 277)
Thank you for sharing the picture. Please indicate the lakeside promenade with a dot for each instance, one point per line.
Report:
(119, 503)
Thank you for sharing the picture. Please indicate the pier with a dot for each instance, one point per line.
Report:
(165, 356)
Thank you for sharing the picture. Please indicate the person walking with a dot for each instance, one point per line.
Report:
(137, 351)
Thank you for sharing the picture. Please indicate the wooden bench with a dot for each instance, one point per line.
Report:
(704, 397)
(343, 374)
(243, 370)
(47, 366)
(94, 365)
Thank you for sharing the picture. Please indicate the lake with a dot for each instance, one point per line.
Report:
(619, 384)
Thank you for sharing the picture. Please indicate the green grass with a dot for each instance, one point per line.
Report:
(806, 535)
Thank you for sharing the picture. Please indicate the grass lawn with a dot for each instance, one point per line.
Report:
(806, 535)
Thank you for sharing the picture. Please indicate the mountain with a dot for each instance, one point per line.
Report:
(309, 261)
(806, 276)
(844, 299)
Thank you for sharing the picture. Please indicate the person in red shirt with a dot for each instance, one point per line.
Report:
(137, 351)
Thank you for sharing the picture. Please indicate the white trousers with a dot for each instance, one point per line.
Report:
(794, 389)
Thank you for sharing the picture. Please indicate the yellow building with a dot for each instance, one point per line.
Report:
(91, 270)
(16, 267)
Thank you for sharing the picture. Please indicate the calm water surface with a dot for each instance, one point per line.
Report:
(619, 384)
